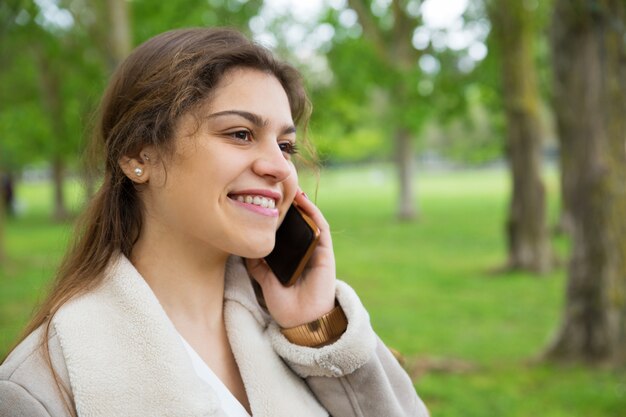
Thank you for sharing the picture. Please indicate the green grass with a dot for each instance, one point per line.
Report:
(431, 288)
(34, 246)
(430, 284)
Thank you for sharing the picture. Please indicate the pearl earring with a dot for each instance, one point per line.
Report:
(138, 171)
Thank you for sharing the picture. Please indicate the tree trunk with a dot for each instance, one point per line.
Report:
(568, 182)
(528, 237)
(396, 49)
(404, 164)
(590, 103)
(568, 71)
(58, 174)
(120, 39)
(53, 104)
(117, 36)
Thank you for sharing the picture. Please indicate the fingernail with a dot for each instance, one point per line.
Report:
(305, 196)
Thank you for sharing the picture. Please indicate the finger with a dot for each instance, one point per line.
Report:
(318, 218)
(263, 275)
(311, 210)
(259, 270)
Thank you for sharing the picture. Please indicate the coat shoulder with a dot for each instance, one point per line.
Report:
(27, 382)
(16, 401)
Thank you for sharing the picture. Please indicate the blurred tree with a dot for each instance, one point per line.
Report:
(391, 80)
(589, 55)
(394, 80)
(120, 35)
(111, 36)
(53, 106)
(474, 131)
(351, 108)
(527, 232)
(56, 56)
(52, 73)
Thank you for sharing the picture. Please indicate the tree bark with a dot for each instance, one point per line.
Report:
(562, 43)
(527, 232)
(589, 57)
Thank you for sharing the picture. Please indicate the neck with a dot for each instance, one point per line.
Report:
(187, 278)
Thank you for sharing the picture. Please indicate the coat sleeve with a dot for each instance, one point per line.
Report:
(15, 401)
(357, 376)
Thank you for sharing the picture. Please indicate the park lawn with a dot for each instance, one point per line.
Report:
(470, 335)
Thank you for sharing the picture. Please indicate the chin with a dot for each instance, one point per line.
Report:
(256, 251)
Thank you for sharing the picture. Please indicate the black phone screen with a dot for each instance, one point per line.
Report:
(296, 239)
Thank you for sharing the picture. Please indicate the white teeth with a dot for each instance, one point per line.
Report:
(257, 201)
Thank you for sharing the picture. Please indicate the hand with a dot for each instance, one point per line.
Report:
(313, 295)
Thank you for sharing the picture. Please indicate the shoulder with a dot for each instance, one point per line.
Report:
(27, 384)
(16, 401)
(25, 355)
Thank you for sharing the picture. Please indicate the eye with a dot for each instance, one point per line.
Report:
(289, 148)
(242, 135)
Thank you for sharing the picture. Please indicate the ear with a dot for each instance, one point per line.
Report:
(138, 168)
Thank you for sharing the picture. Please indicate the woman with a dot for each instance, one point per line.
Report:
(164, 306)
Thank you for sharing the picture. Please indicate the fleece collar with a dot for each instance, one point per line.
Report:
(117, 339)
(238, 288)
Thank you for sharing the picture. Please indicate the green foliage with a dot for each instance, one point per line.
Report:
(471, 114)
(354, 145)
(52, 74)
(358, 103)
(19, 136)
(369, 90)
(151, 18)
(75, 58)
(476, 137)
(349, 113)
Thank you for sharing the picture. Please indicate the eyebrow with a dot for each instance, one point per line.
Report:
(253, 118)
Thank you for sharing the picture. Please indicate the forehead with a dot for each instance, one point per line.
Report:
(251, 90)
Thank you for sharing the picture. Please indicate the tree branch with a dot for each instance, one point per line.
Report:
(370, 29)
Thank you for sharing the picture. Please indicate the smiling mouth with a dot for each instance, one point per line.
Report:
(255, 200)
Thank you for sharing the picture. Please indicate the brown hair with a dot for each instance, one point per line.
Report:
(162, 79)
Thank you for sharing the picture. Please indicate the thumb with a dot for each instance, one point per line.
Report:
(259, 270)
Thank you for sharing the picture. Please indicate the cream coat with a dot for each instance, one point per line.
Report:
(119, 355)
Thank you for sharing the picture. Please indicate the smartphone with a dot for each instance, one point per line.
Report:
(296, 239)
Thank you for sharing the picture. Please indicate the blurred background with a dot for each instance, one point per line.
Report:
(473, 159)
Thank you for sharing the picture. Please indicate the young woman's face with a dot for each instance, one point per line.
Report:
(232, 178)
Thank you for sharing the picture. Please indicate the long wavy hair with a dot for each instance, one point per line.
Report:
(161, 80)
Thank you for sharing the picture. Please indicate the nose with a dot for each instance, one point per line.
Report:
(271, 163)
